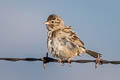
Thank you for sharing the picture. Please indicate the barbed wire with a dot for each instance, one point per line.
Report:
(47, 59)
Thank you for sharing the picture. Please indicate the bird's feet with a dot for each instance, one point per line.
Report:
(69, 60)
(60, 61)
(98, 61)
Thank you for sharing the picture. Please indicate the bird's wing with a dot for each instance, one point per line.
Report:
(72, 36)
(70, 44)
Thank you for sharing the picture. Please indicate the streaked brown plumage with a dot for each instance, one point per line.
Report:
(63, 43)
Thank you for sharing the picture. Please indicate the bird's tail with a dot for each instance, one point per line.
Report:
(93, 53)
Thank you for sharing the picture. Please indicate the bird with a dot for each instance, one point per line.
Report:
(63, 43)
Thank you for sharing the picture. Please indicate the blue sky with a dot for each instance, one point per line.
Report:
(23, 34)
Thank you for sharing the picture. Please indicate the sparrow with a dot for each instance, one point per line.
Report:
(63, 43)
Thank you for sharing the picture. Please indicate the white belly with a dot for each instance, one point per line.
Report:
(54, 47)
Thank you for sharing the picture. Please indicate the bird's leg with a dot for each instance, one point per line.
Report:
(98, 61)
(69, 59)
(60, 61)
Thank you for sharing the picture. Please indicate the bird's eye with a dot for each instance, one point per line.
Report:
(52, 21)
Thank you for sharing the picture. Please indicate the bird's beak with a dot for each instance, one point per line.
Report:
(46, 22)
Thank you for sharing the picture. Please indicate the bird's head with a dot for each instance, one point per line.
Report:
(54, 22)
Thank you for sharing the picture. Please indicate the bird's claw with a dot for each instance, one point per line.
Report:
(60, 61)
